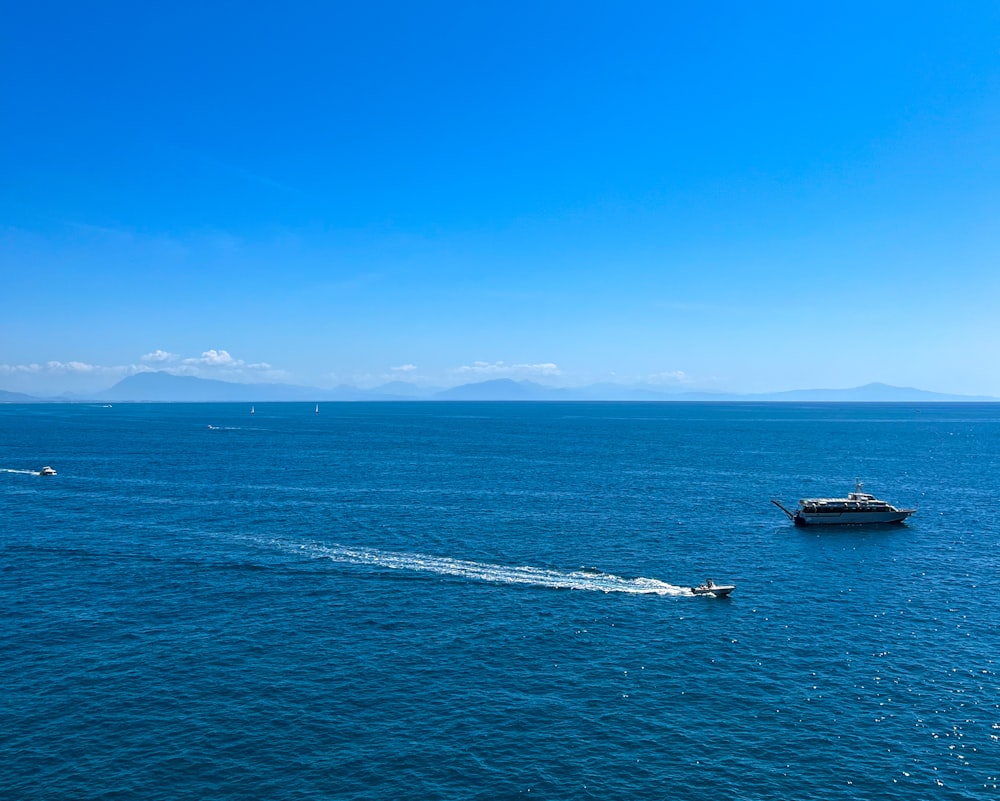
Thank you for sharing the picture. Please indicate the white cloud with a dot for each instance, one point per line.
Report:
(215, 358)
(72, 367)
(10, 369)
(221, 361)
(404, 368)
(76, 376)
(504, 369)
(54, 377)
(547, 368)
(669, 377)
(160, 357)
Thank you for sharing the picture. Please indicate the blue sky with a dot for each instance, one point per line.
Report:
(734, 196)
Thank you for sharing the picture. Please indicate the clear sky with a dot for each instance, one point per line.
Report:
(746, 197)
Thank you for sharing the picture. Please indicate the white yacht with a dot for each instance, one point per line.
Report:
(858, 508)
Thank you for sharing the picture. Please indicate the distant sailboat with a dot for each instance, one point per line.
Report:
(252, 411)
(317, 408)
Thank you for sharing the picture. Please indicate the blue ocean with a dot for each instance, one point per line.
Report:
(489, 601)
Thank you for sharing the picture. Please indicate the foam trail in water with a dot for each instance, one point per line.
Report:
(22, 472)
(493, 573)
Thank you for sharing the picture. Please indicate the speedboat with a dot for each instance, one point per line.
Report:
(711, 588)
(858, 508)
(46, 471)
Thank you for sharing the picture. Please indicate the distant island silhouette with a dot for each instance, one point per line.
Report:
(163, 387)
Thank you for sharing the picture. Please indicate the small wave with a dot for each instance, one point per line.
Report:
(586, 579)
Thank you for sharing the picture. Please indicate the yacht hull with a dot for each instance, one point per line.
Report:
(850, 518)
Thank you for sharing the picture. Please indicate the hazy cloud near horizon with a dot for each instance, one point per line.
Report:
(61, 377)
(216, 363)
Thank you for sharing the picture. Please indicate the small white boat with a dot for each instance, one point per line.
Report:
(711, 588)
(46, 471)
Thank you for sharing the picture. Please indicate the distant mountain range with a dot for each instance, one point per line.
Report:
(18, 397)
(164, 387)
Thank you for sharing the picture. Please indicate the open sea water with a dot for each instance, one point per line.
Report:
(489, 600)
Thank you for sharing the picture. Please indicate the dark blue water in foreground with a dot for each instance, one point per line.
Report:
(485, 601)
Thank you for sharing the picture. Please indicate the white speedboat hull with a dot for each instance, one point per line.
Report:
(718, 590)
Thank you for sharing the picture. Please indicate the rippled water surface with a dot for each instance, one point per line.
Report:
(490, 600)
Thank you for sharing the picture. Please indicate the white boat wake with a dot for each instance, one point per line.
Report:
(594, 581)
(21, 472)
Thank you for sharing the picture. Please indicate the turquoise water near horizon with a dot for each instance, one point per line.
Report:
(488, 600)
